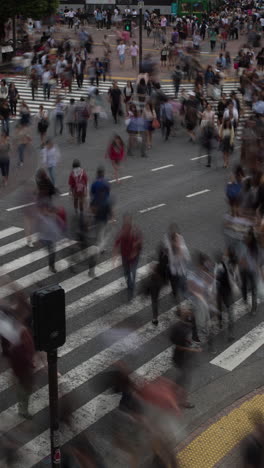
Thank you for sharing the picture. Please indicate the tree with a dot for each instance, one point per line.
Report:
(36, 9)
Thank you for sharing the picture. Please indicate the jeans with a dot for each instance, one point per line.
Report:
(50, 246)
(130, 269)
(46, 90)
(59, 120)
(21, 152)
(51, 171)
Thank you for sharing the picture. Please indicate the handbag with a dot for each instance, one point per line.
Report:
(155, 124)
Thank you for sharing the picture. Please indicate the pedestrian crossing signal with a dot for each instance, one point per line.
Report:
(128, 26)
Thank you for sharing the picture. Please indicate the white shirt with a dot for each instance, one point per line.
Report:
(50, 156)
(46, 77)
(235, 115)
(71, 14)
(134, 51)
(121, 49)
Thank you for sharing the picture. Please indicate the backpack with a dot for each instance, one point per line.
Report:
(80, 184)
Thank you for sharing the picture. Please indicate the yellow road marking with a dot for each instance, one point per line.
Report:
(221, 437)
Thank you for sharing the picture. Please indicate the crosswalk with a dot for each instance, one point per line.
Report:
(102, 328)
(25, 93)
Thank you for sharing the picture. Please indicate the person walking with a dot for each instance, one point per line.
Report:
(49, 231)
(150, 117)
(4, 157)
(46, 83)
(134, 54)
(23, 139)
(177, 78)
(5, 116)
(71, 119)
(121, 51)
(33, 82)
(166, 116)
(82, 114)
(79, 71)
(129, 244)
(227, 136)
(78, 182)
(116, 153)
(50, 158)
(212, 37)
(43, 123)
(115, 94)
(59, 115)
(128, 94)
(13, 96)
(101, 207)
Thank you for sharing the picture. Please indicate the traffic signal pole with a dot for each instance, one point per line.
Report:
(54, 409)
(140, 39)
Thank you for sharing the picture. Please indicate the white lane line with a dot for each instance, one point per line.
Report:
(84, 372)
(32, 257)
(121, 178)
(199, 157)
(197, 193)
(241, 349)
(161, 167)
(20, 206)
(9, 231)
(64, 194)
(152, 208)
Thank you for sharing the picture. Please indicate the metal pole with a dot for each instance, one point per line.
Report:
(14, 33)
(140, 39)
(54, 409)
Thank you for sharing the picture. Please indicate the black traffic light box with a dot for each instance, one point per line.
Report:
(127, 25)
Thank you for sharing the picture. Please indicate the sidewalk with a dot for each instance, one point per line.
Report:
(216, 444)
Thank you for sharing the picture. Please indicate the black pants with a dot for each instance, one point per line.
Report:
(167, 124)
(114, 110)
(70, 23)
(33, 91)
(50, 246)
(212, 45)
(13, 107)
(82, 127)
(79, 79)
(176, 87)
(224, 299)
(46, 90)
(97, 79)
(59, 121)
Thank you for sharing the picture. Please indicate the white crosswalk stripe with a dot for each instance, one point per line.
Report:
(117, 332)
(168, 88)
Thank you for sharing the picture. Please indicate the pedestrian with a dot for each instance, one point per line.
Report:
(13, 96)
(207, 131)
(181, 338)
(79, 71)
(249, 269)
(134, 54)
(70, 119)
(23, 140)
(82, 114)
(150, 118)
(78, 182)
(224, 293)
(33, 82)
(115, 94)
(101, 207)
(24, 113)
(59, 115)
(166, 116)
(226, 135)
(21, 356)
(116, 153)
(129, 243)
(49, 231)
(50, 158)
(128, 94)
(212, 37)
(177, 78)
(43, 123)
(46, 83)
(5, 115)
(45, 188)
(3, 90)
(5, 148)
(121, 51)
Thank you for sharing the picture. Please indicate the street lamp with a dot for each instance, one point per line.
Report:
(140, 6)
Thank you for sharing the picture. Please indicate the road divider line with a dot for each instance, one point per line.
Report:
(20, 206)
(121, 178)
(199, 157)
(162, 167)
(197, 193)
(152, 208)
(241, 349)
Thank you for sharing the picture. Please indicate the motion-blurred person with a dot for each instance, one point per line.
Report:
(115, 94)
(249, 269)
(70, 119)
(5, 115)
(227, 136)
(23, 139)
(78, 182)
(45, 187)
(49, 231)
(166, 116)
(82, 114)
(21, 355)
(59, 115)
(224, 293)
(128, 94)
(150, 118)
(190, 108)
(207, 129)
(5, 148)
(33, 82)
(101, 207)
(116, 152)
(129, 243)
(253, 445)
(177, 78)
(50, 158)
(13, 96)
(43, 123)
(24, 112)
(181, 337)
